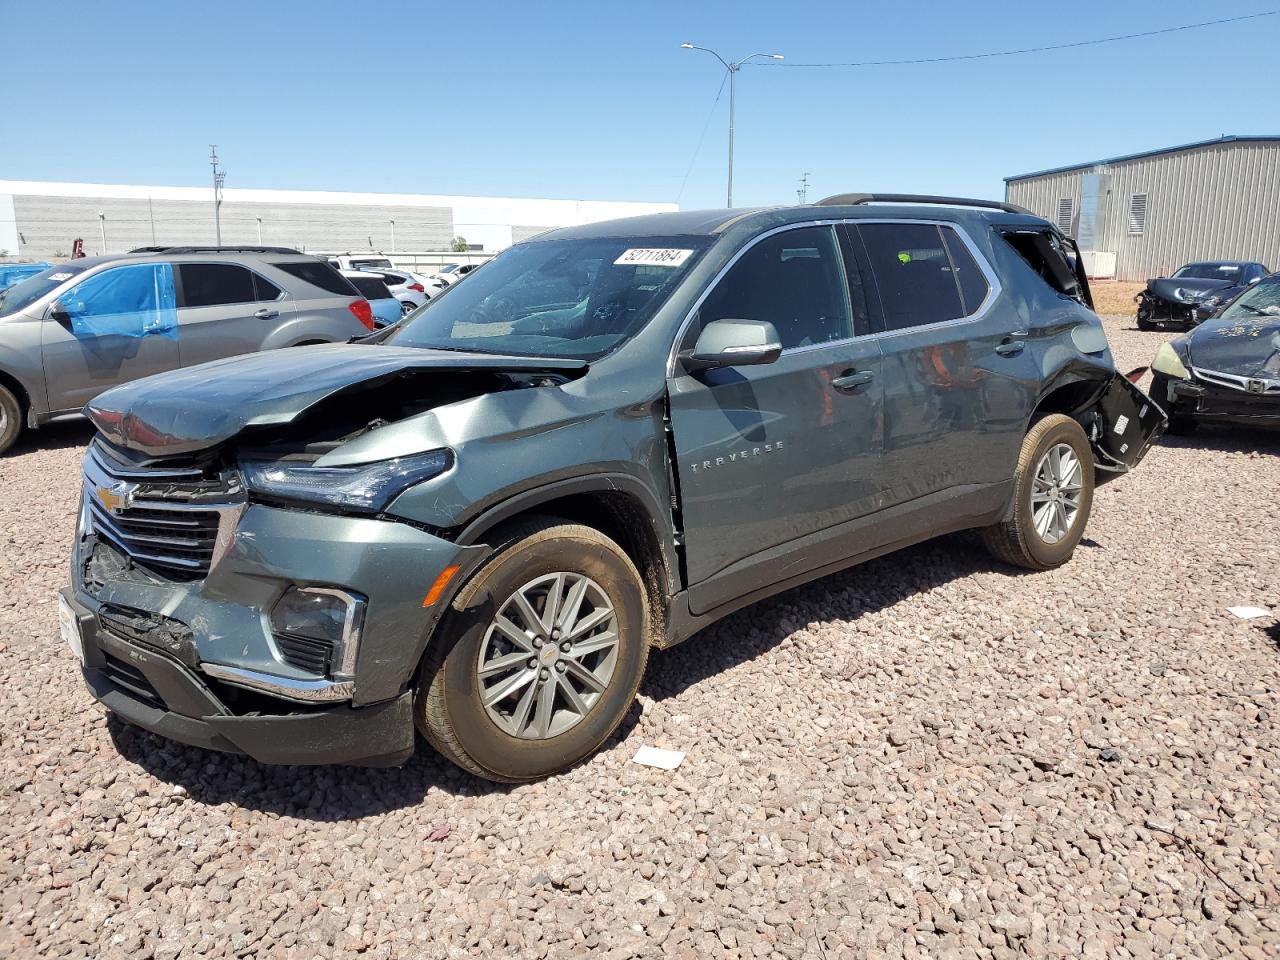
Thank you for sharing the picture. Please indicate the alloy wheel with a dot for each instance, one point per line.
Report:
(1056, 492)
(548, 655)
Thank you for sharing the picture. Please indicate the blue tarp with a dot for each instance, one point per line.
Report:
(128, 301)
(11, 273)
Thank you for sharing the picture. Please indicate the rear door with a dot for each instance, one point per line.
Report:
(959, 377)
(120, 326)
(225, 309)
(769, 455)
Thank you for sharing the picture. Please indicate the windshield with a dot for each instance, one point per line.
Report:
(26, 292)
(1209, 271)
(1260, 300)
(375, 263)
(566, 298)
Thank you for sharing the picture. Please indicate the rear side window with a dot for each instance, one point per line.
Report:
(370, 287)
(913, 274)
(320, 275)
(1046, 254)
(213, 284)
(973, 284)
(264, 289)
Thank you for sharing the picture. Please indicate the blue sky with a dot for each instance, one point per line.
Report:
(597, 100)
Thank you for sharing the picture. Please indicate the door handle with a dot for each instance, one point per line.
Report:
(265, 314)
(851, 381)
(1011, 348)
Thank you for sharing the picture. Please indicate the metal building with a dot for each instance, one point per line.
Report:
(41, 219)
(1146, 214)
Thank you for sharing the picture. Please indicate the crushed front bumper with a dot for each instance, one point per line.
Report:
(1201, 400)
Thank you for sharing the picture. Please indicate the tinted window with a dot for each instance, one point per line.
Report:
(211, 284)
(973, 285)
(374, 262)
(319, 275)
(264, 289)
(913, 274)
(370, 287)
(793, 280)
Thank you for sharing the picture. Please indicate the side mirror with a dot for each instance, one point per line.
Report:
(734, 343)
(58, 311)
(1254, 280)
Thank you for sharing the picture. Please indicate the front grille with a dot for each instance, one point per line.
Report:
(169, 519)
(1257, 386)
(314, 656)
(132, 681)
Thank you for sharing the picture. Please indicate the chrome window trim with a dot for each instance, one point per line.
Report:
(994, 287)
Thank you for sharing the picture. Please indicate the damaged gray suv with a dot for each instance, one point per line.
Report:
(480, 521)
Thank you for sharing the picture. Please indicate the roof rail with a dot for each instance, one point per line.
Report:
(213, 249)
(860, 199)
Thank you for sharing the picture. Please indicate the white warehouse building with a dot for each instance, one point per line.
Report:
(41, 219)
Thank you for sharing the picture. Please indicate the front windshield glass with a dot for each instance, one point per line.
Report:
(26, 292)
(1260, 300)
(1209, 271)
(555, 298)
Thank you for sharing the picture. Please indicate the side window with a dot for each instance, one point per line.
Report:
(213, 284)
(264, 290)
(129, 301)
(1049, 258)
(793, 280)
(913, 274)
(973, 284)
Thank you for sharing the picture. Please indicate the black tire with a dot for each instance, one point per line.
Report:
(1146, 325)
(1016, 541)
(10, 419)
(1181, 426)
(449, 710)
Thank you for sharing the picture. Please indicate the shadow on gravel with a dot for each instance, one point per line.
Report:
(323, 794)
(63, 435)
(1227, 438)
(847, 595)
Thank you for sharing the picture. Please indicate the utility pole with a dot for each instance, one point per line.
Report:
(218, 177)
(803, 192)
(733, 67)
(152, 214)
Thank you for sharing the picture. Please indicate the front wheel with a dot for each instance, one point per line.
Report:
(541, 659)
(1053, 494)
(10, 419)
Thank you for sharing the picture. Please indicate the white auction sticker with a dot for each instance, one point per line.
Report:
(61, 276)
(1121, 423)
(657, 257)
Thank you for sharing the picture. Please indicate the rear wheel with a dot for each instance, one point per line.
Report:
(1053, 494)
(10, 419)
(543, 660)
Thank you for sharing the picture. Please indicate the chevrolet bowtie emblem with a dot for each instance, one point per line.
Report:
(113, 498)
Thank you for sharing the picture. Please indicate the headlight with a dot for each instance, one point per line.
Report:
(1212, 301)
(1169, 363)
(365, 486)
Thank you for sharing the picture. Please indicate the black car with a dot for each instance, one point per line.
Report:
(1194, 292)
(1227, 368)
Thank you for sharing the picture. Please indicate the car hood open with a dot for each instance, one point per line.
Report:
(202, 406)
(1246, 347)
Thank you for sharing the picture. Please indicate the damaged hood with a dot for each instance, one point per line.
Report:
(1185, 289)
(1246, 347)
(203, 406)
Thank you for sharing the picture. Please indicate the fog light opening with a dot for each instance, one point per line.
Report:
(326, 619)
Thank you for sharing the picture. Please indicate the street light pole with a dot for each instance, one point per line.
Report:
(733, 68)
(218, 177)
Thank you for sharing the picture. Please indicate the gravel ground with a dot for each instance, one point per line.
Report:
(929, 755)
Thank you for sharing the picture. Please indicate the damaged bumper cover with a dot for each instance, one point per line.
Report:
(1126, 424)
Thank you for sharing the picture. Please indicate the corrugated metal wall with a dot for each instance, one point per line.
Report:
(49, 224)
(1215, 202)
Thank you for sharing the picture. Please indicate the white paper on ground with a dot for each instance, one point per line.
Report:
(657, 757)
(1248, 613)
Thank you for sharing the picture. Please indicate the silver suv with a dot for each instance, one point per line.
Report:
(77, 328)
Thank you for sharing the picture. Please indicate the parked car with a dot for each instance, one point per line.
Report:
(385, 307)
(1194, 292)
(482, 525)
(1227, 369)
(453, 272)
(11, 273)
(409, 289)
(77, 328)
(361, 261)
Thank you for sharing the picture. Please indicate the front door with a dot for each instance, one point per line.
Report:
(118, 325)
(770, 456)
